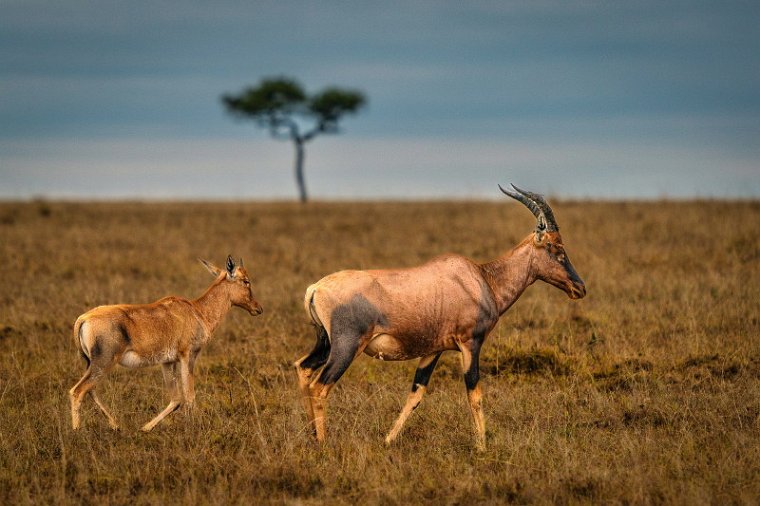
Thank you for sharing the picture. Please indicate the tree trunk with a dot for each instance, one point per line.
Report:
(299, 169)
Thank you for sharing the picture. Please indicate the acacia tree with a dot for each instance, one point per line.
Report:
(279, 103)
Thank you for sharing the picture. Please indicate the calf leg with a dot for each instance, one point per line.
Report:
(307, 365)
(75, 397)
(91, 378)
(111, 420)
(186, 366)
(470, 358)
(175, 396)
(419, 385)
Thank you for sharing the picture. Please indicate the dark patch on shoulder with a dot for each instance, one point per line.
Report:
(358, 316)
(124, 333)
(122, 327)
(488, 314)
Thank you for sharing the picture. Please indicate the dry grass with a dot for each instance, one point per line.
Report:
(647, 391)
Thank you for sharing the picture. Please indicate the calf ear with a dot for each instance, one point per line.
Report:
(213, 269)
(230, 267)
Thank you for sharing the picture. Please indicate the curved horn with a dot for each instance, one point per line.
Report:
(537, 205)
(544, 206)
(530, 204)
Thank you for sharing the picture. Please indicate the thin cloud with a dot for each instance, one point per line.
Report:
(556, 75)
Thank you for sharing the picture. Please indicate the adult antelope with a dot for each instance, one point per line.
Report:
(449, 303)
(170, 332)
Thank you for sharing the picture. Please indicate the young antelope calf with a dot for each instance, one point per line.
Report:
(450, 303)
(170, 332)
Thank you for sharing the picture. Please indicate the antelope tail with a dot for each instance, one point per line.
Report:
(308, 302)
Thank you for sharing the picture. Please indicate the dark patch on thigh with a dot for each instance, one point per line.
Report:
(97, 349)
(342, 353)
(349, 323)
(356, 317)
(319, 354)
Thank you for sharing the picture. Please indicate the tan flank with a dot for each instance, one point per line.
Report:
(171, 332)
(449, 303)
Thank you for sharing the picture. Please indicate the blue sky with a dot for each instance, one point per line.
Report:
(578, 99)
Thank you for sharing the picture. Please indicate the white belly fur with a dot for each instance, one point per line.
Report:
(386, 347)
(131, 359)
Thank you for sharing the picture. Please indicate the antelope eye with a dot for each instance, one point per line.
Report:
(246, 282)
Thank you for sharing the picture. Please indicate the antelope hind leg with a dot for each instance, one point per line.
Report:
(307, 365)
(305, 376)
(345, 348)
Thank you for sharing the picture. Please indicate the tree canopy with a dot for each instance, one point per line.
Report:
(275, 103)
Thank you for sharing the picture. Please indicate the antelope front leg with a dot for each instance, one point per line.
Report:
(419, 385)
(470, 358)
(170, 383)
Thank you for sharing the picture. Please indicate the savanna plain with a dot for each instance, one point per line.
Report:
(645, 392)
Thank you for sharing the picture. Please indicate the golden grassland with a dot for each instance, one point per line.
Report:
(647, 391)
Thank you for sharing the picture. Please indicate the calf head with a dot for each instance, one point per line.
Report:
(238, 284)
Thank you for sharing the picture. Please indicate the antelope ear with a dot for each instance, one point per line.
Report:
(540, 229)
(230, 267)
(213, 269)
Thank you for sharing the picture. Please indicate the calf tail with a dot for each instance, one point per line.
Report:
(78, 339)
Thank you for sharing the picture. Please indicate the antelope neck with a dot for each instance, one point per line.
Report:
(510, 274)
